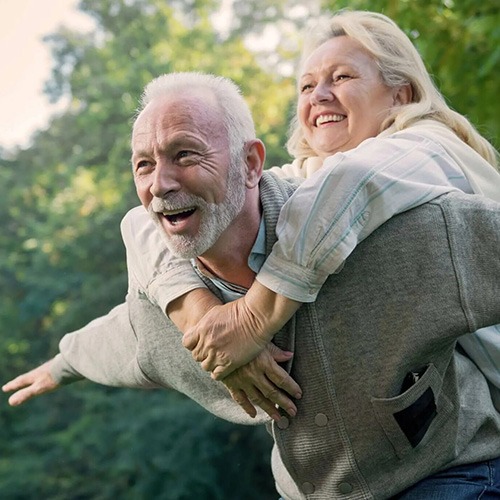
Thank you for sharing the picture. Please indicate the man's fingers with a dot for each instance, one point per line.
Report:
(29, 392)
(18, 383)
(28, 385)
(21, 396)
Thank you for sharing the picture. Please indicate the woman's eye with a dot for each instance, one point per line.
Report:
(340, 78)
(306, 88)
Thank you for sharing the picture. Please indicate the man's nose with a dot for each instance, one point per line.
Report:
(165, 180)
(322, 93)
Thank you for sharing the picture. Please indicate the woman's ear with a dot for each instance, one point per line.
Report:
(255, 157)
(403, 95)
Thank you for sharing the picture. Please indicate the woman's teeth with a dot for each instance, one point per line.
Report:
(329, 118)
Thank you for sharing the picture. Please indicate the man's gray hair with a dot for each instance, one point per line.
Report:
(237, 118)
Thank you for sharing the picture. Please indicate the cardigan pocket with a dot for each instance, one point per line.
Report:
(411, 419)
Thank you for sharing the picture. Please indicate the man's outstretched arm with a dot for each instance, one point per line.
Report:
(104, 351)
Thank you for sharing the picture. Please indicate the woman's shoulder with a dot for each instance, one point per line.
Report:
(429, 129)
(300, 167)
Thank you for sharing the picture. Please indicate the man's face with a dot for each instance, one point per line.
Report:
(183, 173)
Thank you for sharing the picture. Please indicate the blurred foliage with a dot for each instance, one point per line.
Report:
(62, 262)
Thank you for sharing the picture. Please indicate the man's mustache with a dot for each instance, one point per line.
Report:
(176, 201)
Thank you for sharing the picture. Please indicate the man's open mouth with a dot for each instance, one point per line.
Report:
(177, 216)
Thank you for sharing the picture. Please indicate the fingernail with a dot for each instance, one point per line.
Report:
(292, 412)
(289, 353)
(276, 417)
(298, 395)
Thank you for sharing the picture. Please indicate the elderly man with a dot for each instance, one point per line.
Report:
(387, 400)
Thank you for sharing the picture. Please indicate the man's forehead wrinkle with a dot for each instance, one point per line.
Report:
(174, 117)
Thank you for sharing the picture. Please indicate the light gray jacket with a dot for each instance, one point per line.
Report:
(405, 295)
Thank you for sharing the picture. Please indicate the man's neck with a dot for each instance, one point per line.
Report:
(228, 258)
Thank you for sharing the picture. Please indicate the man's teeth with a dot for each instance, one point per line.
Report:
(329, 118)
(166, 213)
(176, 216)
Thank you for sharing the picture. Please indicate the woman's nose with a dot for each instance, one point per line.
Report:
(322, 93)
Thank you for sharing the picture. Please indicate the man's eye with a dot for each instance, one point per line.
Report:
(184, 154)
(143, 164)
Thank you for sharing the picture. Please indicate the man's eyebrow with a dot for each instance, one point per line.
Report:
(176, 142)
(139, 153)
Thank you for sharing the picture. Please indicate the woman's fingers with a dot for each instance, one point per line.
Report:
(241, 398)
(190, 339)
(265, 404)
(284, 381)
(279, 355)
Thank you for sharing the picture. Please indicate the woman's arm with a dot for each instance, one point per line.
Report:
(320, 225)
(254, 318)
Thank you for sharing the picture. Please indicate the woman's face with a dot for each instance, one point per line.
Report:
(342, 100)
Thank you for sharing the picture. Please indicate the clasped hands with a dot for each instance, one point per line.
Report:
(233, 342)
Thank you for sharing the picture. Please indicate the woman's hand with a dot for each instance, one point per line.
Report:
(227, 337)
(233, 334)
(263, 383)
(33, 383)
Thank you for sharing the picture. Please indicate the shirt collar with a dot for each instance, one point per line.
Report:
(256, 259)
(258, 253)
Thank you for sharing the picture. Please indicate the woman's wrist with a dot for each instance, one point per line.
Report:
(271, 310)
(188, 309)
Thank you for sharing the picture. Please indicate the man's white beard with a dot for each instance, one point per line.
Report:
(215, 217)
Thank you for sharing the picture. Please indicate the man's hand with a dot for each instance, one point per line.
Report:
(231, 335)
(31, 384)
(263, 383)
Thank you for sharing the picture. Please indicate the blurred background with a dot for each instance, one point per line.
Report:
(65, 187)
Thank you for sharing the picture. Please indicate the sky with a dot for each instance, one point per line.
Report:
(25, 62)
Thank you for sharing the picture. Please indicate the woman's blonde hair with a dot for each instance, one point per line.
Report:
(399, 63)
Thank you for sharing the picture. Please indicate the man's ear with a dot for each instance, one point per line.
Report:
(403, 95)
(255, 157)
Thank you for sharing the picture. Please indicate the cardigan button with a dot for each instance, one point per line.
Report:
(283, 423)
(345, 488)
(307, 488)
(321, 420)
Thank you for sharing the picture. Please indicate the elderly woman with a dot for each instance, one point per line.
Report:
(369, 114)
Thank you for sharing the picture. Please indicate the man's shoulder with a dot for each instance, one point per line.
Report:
(458, 205)
(271, 183)
(135, 219)
(471, 220)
